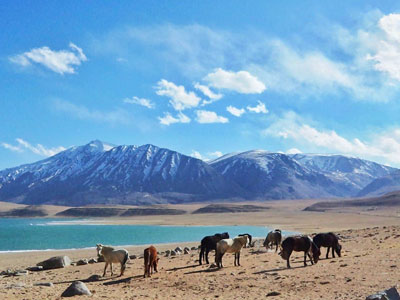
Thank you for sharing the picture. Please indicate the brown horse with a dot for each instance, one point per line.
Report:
(328, 240)
(300, 243)
(150, 261)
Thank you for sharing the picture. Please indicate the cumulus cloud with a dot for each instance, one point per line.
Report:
(293, 151)
(116, 116)
(207, 92)
(260, 108)
(242, 82)
(205, 116)
(62, 61)
(168, 119)
(140, 101)
(196, 154)
(387, 53)
(383, 147)
(209, 156)
(38, 149)
(237, 112)
(179, 98)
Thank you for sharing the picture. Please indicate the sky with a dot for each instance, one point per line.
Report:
(203, 78)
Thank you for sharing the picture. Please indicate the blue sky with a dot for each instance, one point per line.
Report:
(203, 78)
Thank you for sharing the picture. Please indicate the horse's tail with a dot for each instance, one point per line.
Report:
(126, 257)
(201, 256)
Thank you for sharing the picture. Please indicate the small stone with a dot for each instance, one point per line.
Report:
(82, 262)
(35, 268)
(132, 256)
(186, 251)
(100, 258)
(324, 282)
(48, 284)
(173, 253)
(93, 278)
(178, 249)
(193, 248)
(92, 261)
(271, 294)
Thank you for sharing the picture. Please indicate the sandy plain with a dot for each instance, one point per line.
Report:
(370, 261)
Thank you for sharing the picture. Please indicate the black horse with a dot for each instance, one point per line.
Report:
(209, 243)
(300, 243)
(328, 240)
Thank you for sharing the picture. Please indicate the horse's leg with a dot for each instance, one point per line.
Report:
(238, 258)
(327, 252)
(207, 251)
(105, 268)
(305, 255)
(112, 273)
(333, 252)
(276, 249)
(288, 257)
(309, 256)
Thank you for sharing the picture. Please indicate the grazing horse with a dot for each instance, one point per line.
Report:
(150, 261)
(249, 237)
(328, 240)
(230, 246)
(273, 238)
(113, 256)
(300, 243)
(209, 243)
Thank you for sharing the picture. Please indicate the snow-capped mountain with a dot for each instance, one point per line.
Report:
(273, 175)
(350, 173)
(100, 173)
(276, 176)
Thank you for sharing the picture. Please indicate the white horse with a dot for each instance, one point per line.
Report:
(230, 246)
(113, 256)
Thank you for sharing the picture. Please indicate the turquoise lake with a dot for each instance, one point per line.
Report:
(17, 234)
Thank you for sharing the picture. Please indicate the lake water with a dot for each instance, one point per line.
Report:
(17, 234)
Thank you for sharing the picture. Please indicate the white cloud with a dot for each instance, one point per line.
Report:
(196, 154)
(63, 61)
(387, 56)
(260, 108)
(38, 149)
(179, 98)
(237, 112)
(140, 101)
(205, 116)
(168, 119)
(209, 156)
(383, 147)
(241, 82)
(207, 92)
(293, 151)
(116, 116)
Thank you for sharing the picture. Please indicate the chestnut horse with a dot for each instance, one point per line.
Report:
(300, 243)
(328, 240)
(150, 261)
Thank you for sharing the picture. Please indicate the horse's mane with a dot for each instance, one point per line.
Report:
(105, 249)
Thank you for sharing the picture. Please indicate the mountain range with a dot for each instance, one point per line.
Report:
(101, 173)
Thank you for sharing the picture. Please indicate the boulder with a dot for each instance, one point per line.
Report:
(193, 248)
(390, 294)
(55, 262)
(93, 278)
(82, 262)
(186, 251)
(178, 249)
(100, 258)
(76, 288)
(132, 256)
(173, 253)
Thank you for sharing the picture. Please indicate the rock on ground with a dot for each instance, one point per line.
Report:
(55, 262)
(76, 288)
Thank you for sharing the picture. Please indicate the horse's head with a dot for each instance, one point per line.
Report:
(316, 252)
(339, 250)
(225, 235)
(99, 247)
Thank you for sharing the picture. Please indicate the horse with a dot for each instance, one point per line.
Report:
(230, 246)
(273, 238)
(113, 256)
(300, 243)
(249, 239)
(209, 243)
(328, 240)
(150, 261)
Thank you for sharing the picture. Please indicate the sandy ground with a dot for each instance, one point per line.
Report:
(370, 262)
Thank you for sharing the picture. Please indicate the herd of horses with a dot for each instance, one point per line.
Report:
(222, 244)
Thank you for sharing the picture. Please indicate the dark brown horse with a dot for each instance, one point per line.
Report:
(328, 240)
(300, 243)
